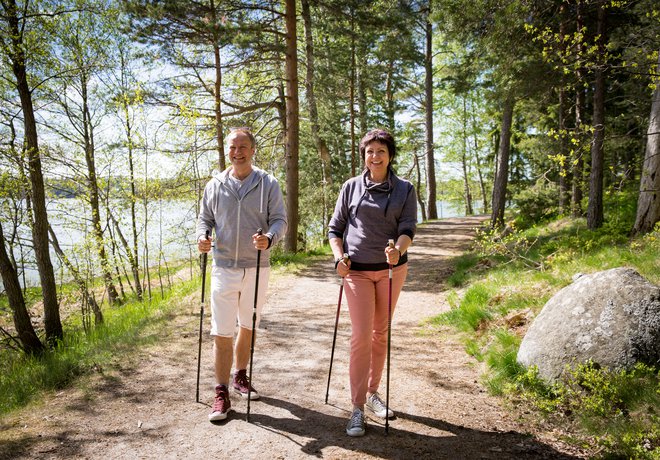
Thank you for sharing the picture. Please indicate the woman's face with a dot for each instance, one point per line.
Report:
(377, 158)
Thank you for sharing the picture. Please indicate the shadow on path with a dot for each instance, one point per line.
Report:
(438, 439)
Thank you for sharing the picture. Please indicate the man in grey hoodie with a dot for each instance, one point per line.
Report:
(236, 203)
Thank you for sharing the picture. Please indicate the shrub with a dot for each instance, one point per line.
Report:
(536, 203)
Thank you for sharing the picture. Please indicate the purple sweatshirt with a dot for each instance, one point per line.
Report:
(367, 215)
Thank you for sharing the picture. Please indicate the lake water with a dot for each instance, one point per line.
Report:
(170, 230)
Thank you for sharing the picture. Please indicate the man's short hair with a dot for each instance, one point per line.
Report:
(246, 131)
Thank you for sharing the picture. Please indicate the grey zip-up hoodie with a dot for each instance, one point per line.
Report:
(236, 219)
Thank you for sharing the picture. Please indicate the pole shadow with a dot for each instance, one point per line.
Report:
(322, 431)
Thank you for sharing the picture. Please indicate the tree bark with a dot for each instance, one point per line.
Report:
(418, 188)
(431, 188)
(292, 128)
(352, 98)
(389, 97)
(93, 190)
(133, 252)
(464, 161)
(502, 176)
(578, 165)
(87, 296)
(28, 337)
(52, 322)
(648, 203)
(563, 150)
(595, 208)
(321, 145)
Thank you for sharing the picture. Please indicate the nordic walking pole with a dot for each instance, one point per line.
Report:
(254, 324)
(390, 244)
(201, 315)
(334, 337)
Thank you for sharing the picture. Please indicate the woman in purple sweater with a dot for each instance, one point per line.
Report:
(372, 208)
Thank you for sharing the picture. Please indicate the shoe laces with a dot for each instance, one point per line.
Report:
(357, 419)
(377, 402)
(242, 380)
(220, 400)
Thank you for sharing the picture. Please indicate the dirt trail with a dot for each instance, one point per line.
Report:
(147, 408)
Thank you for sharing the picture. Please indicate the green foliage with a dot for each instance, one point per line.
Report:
(501, 359)
(536, 204)
(471, 313)
(617, 408)
(507, 245)
(517, 271)
(462, 266)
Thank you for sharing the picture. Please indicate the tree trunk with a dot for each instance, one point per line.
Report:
(292, 127)
(217, 89)
(87, 296)
(595, 208)
(418, 188)
(389, 97)
(93, 190)
(52, 322)
(648, 203)
(578, 166)
(431, 190)
(362, 90)
(501, 179)
(563, 150)
(217, 94)
(133, 253)
(321, 146)
(563, 154)
(482, 182)
(464, 160)
(28, 337)
(352, 99)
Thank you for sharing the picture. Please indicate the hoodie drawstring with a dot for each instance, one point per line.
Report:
(261, 204)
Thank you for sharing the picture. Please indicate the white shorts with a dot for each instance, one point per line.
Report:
(232, 298)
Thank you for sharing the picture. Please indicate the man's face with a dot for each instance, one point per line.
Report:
(240, 150)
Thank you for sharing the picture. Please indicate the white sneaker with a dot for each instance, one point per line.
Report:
(377, 406)
(356, 424)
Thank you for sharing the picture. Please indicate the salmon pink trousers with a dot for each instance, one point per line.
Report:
(367, 296)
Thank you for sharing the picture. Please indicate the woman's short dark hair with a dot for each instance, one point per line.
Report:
(381, 136)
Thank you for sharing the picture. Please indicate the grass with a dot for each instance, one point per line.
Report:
(618, 411)
(24, 378)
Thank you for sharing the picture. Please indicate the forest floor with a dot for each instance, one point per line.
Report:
(145, 406)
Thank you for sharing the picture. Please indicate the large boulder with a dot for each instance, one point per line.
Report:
(611, 318)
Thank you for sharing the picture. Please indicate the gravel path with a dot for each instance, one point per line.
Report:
(146, 407)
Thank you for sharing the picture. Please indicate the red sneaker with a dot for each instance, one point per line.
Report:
(241, 385)
(221, 405)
